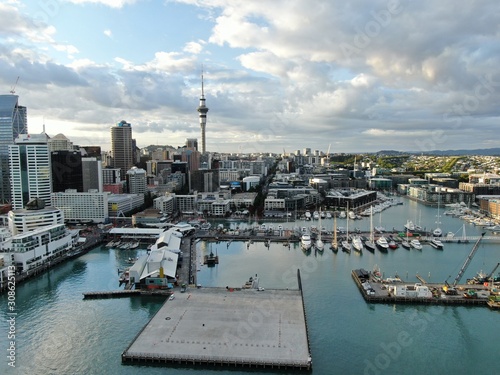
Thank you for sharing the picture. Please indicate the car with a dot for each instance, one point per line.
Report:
(171, 297)
(260, 289)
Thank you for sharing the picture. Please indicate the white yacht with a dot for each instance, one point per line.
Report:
(416, 244)
(437, 244)
(357, 244)
(305, 241)
(382, 243)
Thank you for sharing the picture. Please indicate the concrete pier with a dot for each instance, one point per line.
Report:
(231, 327)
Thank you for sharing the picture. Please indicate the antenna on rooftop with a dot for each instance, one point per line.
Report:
(13, 89)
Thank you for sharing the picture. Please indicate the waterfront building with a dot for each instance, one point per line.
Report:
(186, 204)
(353, 198)
(13, 121)
(82, 206)
(30, 170)
(379, 183)
(136, 180)
(489, 205)
(120, 204)
(165, 204)
(271, 204)
(122, 146)
(38, 247)
(66, 170)
(35, 215)
(221, 207)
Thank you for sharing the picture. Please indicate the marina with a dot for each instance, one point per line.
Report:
(57, 322)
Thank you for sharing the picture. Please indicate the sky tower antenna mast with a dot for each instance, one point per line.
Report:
(202, 110)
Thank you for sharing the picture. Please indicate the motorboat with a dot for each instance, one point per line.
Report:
(357, 244)
(393, 244)
(305, 241)
(416, 244)
(382, 243)
(437, 244)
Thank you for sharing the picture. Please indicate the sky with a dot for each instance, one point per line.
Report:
(279, 75)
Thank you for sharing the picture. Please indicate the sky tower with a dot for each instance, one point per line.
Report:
(202, 109)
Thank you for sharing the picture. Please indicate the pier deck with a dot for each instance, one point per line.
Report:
(235, 327)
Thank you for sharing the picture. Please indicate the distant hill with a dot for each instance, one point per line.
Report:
(482, 151)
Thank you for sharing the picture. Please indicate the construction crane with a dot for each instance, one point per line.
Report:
(13, 89)
(450, 289)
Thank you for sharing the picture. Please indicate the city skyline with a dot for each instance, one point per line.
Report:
(361, 77)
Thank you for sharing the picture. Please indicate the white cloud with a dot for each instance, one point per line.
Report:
(108, 33)
(193, 47)
(109, 3)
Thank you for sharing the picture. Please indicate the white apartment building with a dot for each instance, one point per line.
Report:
(87, 206)
(165, 204)
(220, 207)
(186, 203)
(30, 170)
(136, 178)
(119, 204)
(25, 220)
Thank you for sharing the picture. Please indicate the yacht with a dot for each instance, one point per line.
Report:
(357, 244)
(416, 244)
(346, 246)
(308, 215)
(382, 244)
(412, 227)
(370, 243)
(328, 215)
(315, 215)
(305, 241)
(437, 244)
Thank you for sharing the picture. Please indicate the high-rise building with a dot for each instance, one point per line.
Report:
(192, 144)
(202, 109)
(92, 174)
(30, 170)
(122, 147)
(136, 180)
(66, 170)
(59, 142)
(13, 121)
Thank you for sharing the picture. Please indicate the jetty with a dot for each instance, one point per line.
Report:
(234, 327)
(375, 290)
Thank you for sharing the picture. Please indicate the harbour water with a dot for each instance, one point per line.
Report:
(57, 332)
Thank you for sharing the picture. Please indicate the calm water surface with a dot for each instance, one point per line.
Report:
(57, 332)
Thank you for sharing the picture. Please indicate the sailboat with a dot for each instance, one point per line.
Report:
(438, 232)
(320, 246)
(346, 246)
(405, 242)
(335, 245)
(370, 244)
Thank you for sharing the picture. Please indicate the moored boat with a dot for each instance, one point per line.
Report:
(382, 244)
(416, 244)
(437, 244)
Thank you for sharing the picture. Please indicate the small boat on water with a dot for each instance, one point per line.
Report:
(382, 244)
(305, 241)
(406, 244)
(437, 244)
(416, 244)
(393, 245)
(346, 246)
(357, 244)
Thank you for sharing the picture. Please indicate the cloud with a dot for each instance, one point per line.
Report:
(277, 74)
(109, 3)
